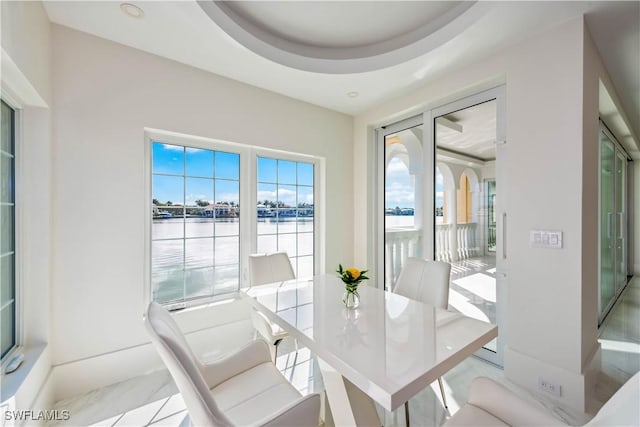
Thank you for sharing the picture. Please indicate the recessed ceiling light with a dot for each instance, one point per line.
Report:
(353, 94)
(132, 10)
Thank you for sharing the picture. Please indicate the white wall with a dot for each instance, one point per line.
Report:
(551, 304)
(26, 84)
(105, 94)
(26, 39)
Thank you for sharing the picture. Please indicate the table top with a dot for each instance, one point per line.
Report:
(390, 347)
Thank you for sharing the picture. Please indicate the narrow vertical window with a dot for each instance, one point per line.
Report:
(7, 231)
(195, 232)
(285, 211)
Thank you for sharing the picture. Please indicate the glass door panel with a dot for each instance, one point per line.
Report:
(403, 195)
(620, 235)
(468, 231)
(607, 218)
(613, 217)
(491, 216)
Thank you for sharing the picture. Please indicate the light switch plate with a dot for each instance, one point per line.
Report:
(545, 239)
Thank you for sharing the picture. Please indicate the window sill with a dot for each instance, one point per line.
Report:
(201, 303)
(13, 383)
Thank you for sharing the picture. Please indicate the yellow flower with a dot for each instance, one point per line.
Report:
(355, 273)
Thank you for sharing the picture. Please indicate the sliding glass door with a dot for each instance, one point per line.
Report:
(613, 214)
(442, 196)
(471, 218)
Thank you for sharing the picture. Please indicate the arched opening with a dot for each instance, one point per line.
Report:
(399, 193)
(403, 200)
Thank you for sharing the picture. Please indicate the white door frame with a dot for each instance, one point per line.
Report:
(379, 240)
(426, 119)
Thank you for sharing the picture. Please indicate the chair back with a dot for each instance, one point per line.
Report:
(623, 409)
(269, 268)
(425, 281)
(185, 369)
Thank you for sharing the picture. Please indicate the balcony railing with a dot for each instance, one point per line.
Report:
(399, 245)
(466, 241)
(452, 244)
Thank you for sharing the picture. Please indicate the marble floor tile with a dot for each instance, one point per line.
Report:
(620, 343)
(173, 406)
(153, 399)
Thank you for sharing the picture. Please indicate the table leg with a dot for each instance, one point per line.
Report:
(347, 404)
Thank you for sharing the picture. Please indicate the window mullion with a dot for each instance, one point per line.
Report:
(234, 180)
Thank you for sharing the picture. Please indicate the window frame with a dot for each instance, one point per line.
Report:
(317, 213)
(18, 316)
(248, 189)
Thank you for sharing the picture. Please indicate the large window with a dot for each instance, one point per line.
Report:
(196, 222)
(7, 232)
(285, 211)
(200, 239)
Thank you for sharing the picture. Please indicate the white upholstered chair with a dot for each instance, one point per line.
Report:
(263, 269)
(428, 282)
(491, 404)
(243, 389)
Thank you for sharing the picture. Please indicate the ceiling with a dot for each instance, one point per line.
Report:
(352, 56)
(470, 132)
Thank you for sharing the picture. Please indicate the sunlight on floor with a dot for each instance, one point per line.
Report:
(622, 346)
(170, 411)
(479, 284)
(459, 302)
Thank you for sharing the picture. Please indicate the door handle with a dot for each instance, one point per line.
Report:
(621, 225)
(504, 235)
(609, 218)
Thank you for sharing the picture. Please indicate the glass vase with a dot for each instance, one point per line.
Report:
(351, 299)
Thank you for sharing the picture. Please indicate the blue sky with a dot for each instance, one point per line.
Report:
(201, 167)
(214, 175)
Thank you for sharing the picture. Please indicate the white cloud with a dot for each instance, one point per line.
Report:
(180, 148)
(191, 198)
(399, 190)
(398, 194)
(396, 166)
(172, 147)
(266, 195)
(284, 195)
(287, 196)
(227, 197)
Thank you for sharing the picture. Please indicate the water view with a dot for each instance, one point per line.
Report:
(206, 261)
(196, 234)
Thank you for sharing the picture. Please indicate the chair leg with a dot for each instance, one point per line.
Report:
(406, 412)
(295, 358)
(276, 344)
(444, 399)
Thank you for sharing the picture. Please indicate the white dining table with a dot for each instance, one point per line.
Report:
(389, 347)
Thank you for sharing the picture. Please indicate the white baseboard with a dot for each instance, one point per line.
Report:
(576, 388)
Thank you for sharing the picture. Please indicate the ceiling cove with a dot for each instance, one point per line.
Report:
(342, 37)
